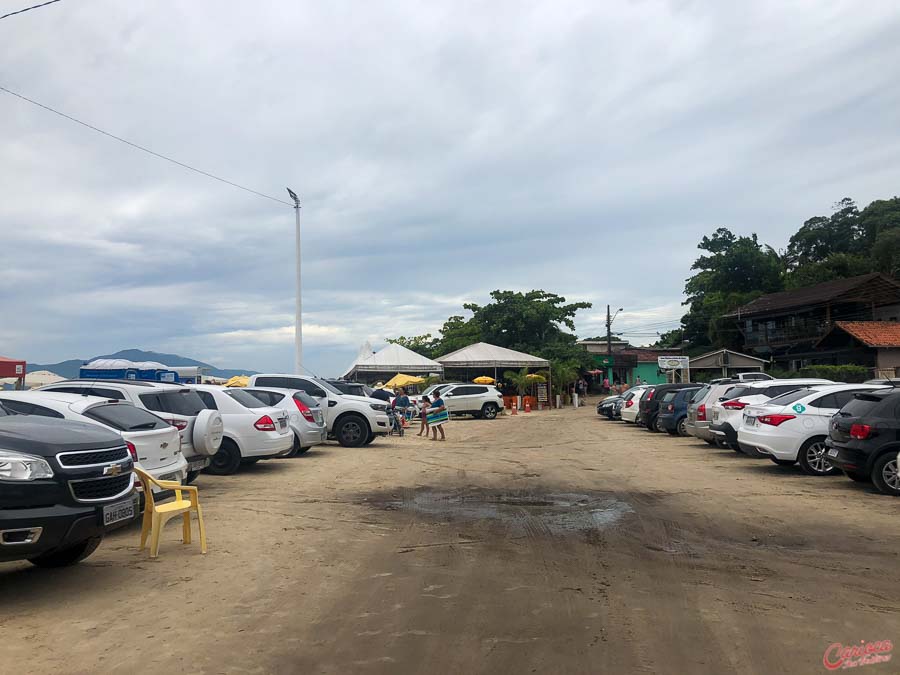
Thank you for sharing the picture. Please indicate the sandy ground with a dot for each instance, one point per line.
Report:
(551, 542)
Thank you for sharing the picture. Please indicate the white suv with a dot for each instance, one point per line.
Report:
(352, 420)
(478, 400)
(152, 442)
(200, 428)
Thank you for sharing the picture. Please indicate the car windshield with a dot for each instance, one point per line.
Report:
(860, 405)
(182, 402)
(790, 397)
(125, 417)
(736, 392)
(245, 399)
(700, 394)
(328, 387)
(669, 395)
(4, 412)
(306, 399)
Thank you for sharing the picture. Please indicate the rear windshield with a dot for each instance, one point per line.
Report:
(736, 392)
(306, 399)
(182, 402)
(669, 395)
(700, 394)
(125, 417)
(790, 397)
(861, 405)
(245, 399)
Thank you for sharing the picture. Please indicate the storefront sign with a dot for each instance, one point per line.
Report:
(542, 392)
(671, 362)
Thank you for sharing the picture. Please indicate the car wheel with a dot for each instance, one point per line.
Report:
(885, 474)
(657, 425)
(812, 458)
(858, 477)
(782, 462)
(370, 439)
(297, 449)
(67, 556)
(489, 411)
(352, 431)
(227, 459)
(682, 427)
(191, 477)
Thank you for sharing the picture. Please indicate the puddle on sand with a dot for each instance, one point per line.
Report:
(556, 513)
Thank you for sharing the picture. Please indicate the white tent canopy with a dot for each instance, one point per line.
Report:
(393, 359)
(483, 355)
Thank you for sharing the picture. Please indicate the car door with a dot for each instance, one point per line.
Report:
(455, 398)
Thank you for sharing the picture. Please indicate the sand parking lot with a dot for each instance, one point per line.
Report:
(549, 542)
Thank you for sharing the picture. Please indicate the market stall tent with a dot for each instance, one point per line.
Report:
(13, 368)
(389, 361)
(34, 379)
(482, 355)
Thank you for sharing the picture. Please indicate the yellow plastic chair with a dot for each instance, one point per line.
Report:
(157, 515)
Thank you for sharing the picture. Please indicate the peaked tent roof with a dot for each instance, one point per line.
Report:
(873, 287)
(394, 359)
(483, 355)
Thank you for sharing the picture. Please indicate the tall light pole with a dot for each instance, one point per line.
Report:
(298, 323)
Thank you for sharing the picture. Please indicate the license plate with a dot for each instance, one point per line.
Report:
(832, 453)
(749, 420)
(282, 423)
(115, 513)
(198, 464)
(715, 415)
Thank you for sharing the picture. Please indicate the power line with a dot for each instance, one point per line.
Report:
(142, 148)
(43, 4)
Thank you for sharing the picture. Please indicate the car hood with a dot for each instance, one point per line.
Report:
(47, 436)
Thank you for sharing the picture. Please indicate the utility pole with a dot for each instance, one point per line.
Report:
(608, 335)
(298, 324)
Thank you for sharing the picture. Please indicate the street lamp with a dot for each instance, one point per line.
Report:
(298, 325)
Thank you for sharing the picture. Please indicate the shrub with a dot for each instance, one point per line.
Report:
(847, 373)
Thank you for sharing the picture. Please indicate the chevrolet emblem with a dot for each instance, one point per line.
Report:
(164, 445)
(112, 470)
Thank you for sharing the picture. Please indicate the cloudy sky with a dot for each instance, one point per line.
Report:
(442, 150)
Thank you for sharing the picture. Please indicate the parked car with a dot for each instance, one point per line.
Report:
(63, 486)
(352, 388)
(477, 400)
(864, 439)
(305, 416)
(673, 410)
(353, 420)
(700, 410)
(650, 403)
(727, 414)
(631, 400)
(429, 391)
(607, 407)
(153, 443)
(792, 428)
(251, 430)
(199, 428)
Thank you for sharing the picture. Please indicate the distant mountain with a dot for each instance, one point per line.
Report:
(71, 367)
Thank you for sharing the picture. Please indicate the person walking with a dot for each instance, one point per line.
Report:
(437, 417)
(423, 415)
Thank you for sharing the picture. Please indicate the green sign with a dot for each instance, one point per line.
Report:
(799, 408)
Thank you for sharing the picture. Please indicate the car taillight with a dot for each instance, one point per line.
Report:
(860, 431)
(670, 407)
(304, 410)
(774, 420)
(734, 405)
(264, 423)
(131, 450)
(628, 404)
(181, 425)
(701, 412)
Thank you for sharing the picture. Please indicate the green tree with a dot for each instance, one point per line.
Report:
(835, 266)
(821, 237)
(522, 379)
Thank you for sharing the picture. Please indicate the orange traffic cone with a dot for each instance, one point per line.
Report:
(513, 410)
(527, 406)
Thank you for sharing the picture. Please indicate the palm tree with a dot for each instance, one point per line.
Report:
(519, 379)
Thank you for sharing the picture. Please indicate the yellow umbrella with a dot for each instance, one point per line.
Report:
(484, 379)
(401, 380)
(238, 381)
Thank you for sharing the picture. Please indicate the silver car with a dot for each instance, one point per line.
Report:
(304, 413)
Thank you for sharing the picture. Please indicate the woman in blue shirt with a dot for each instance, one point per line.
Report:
(437, 417)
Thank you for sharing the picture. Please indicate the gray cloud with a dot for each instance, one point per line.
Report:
(442, 151)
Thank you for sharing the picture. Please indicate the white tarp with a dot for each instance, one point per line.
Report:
(124, 364)
(483, 355)
(393, 359)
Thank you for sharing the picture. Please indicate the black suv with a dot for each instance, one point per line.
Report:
(649, 405)
(63, 485)
(864, 438)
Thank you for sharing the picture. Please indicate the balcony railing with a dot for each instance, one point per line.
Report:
(786, 334)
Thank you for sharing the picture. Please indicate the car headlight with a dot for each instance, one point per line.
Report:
(380, 407)
(19, 466)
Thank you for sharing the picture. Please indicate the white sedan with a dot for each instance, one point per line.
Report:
(252, 430)
(154, 444)
(792, 428)
(631, 403)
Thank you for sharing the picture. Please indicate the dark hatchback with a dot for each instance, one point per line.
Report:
(673, 410)
(864, 439)
(649, 406)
